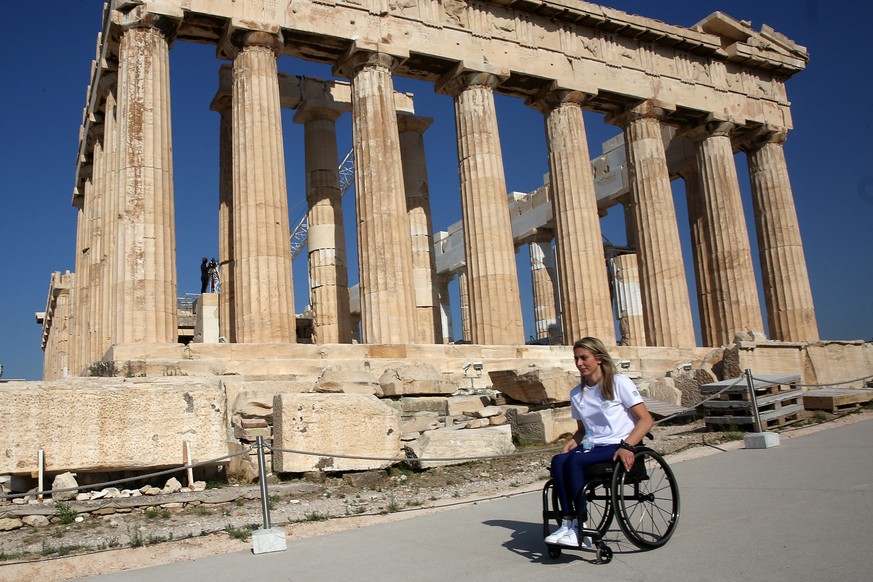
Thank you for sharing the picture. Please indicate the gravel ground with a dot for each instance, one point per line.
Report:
(218, 520)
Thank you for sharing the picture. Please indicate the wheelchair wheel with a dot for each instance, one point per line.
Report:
(646, 500)
(599, 506)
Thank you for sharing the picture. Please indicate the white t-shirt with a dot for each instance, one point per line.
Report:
(609, 421)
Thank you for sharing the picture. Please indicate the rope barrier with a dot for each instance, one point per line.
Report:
(129, 479)
(414, 459)
(824, 385)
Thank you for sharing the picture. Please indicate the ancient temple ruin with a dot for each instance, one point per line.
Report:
(686, 99)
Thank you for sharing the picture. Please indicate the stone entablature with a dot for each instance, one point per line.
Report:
(720, 68)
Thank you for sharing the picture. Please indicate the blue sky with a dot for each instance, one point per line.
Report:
(46, 65)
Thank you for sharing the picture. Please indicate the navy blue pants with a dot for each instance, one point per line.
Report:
(568, 472)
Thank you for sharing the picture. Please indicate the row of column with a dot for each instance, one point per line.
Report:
(126, 281)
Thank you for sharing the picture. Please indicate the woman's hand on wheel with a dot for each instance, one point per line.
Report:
(626, 457)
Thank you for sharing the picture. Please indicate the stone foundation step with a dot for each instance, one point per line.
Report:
(836, 399)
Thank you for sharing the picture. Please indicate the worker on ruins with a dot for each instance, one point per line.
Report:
(611, 419)
(204, 274)
(213, 275)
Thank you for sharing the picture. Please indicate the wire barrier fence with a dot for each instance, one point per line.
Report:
(261, 448)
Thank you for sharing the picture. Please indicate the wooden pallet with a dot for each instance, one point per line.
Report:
(779, 403)
(660, 409)
(836, 399)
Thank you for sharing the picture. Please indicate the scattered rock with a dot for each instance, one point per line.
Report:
(64, 481)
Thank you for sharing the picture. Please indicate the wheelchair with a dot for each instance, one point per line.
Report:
(644, 500)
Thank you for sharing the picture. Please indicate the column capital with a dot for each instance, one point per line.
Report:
(407, 122)
(766, 134)
(362, 55)
(558, 93)
(238, 36)
(311, 110)
(707, 129)
(466, 75)
(649, 109)
(165, 19)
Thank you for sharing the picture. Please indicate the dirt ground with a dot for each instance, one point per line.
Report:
(164, 534)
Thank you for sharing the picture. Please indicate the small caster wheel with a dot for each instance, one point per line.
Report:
(554, 553)
(604, 554)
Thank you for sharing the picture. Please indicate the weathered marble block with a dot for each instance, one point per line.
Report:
(343, 424)
(101, 424)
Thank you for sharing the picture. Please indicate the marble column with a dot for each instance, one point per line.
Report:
(223, 104)
(586, 307)
(328, 272)
(700, 253)
(492, 278)
(464, 306)
(263, 291)
(79, 293)
(95, 270)
(544, 283)
(447, 331)
(56, 340)
(428, 321)
(384, 249)
(144, 278)
(735, 295)
(628, 301)
(106, 310)
(787, 292)
(664, 289)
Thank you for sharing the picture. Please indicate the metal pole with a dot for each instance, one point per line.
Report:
(753, 400)
(262, 477)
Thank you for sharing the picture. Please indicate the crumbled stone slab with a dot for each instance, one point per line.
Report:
(489, 441)
(535, 385)
(341, 424)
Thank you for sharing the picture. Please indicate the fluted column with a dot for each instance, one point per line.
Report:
(787, 293)
(428, 322)
(586, 307)
(664, 289)
(492, 278)
(107, 310)
(144, 281)
(223, 104)
(263, 292)
(328, 272)
(464, 306)
(384, 248)
(735, 296)
(628, 301)
(700, 253)
(95, 254)
(544, 283)
(78, 296)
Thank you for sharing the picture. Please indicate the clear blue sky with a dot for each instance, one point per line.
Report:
(46, 62)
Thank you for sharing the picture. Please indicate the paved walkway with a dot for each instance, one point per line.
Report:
(800, 511)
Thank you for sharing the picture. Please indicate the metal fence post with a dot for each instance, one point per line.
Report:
(754, 401)
(262, 477)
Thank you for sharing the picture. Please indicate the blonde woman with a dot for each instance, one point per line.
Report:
(609, 407)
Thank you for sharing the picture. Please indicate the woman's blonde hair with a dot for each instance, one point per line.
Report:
(607, 366)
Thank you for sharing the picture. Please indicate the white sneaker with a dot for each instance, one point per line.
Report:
(570, 538)
(556, 535)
